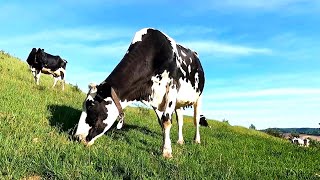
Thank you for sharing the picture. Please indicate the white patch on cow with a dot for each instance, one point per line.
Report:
(59, 71)
(158, 88)
(196, 77)
(189, 68)
(138, 36)
(187, 94)
(83, 128)
(120, 124)
(190, 60)
(183, 53)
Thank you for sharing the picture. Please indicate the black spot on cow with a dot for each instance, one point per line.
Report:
(170, 104)
(165, 117)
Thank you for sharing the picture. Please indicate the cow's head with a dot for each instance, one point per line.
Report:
(32, 57)
(40, 55)
(97, 117)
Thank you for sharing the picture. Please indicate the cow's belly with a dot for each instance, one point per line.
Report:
(55, 73)
(187, 94)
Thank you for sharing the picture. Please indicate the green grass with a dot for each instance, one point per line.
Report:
(36, 123)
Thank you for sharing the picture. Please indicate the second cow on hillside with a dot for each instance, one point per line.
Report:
(42, 62)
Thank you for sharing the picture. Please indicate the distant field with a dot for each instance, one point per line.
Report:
(36, 123)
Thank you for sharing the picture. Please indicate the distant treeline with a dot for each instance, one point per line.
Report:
(310, 131)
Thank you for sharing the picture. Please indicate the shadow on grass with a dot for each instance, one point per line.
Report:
(128, 127)
(64, 117)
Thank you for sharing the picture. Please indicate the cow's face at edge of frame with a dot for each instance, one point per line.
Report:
(97, 117)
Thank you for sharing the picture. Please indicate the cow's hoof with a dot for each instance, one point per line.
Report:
(167, 155)
(180, 142)
(197, 141)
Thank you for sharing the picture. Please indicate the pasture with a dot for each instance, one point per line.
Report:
(36, 123)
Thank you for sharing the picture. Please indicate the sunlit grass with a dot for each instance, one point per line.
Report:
(36, 123)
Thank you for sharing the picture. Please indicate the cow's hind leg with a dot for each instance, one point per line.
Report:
(55, 80)
(196, 119)
(63, 82)
(179, 117)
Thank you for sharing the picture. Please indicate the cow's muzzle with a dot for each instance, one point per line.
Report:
(83, 139)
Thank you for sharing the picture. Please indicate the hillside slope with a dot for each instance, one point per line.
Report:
(36, 123)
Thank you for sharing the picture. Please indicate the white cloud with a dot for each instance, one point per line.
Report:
(86, 77)
(265, 93)
(71, 35)
(213, 47)
(288, 6)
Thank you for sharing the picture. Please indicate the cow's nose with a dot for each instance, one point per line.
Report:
(79, 138)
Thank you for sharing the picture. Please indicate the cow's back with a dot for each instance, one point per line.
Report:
(151, 55)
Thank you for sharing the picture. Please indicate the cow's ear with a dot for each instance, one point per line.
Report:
(92, 88)
(92, 85)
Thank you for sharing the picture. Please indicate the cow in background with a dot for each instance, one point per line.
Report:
(203, 121)
(301, 142)
(42, 62)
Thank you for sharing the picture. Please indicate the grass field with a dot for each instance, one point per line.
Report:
(36, 123)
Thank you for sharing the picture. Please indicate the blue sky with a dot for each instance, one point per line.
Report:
(261, 57)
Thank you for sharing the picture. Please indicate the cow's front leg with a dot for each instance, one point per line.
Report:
(166, 119)
(37, 76)
(166, 127)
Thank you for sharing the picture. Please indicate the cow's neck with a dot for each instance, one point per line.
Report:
(106, 90)
(131, 79)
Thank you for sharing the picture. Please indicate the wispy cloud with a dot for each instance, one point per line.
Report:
(266, 93)
(213, 47)
(291, 6)
(72, 34)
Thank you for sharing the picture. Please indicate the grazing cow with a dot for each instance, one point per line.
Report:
(203, 121)
(301, 142)
(40, 61)
(156, 71)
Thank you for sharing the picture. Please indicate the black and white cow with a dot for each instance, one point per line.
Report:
(40, 61)
(156, 71)
(203, 121)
